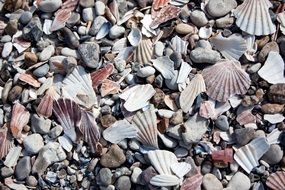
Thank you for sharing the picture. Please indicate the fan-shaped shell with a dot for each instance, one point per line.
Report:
(119, 131)
(165, 180)
(165, 66)
(69, 5)
(101, 74)
(6, 142)
(225, 79)
(180, 169)
(184, 71)
(61, 17)
(46, 104)
(187, 96)
(247, 156)
(276, 181)
(253, 17)
(135, 37)
(20, 118)
(192, 183)
(146, 124)
(165, 14)
(179, 45)
(77, 86)
(68, 114)
(144, 51)
(146, 30)
(232, 47)
(273, 69)
(157, 4)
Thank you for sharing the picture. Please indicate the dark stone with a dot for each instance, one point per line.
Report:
(23, 168)
(90, 54)
(69, 38)
(33, 30)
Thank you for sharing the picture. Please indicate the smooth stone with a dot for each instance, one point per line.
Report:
(69, 38)
(254, 68)
(15, 93)
(225, 22)
(239, 182)
(114, 158)
(33, 143)
(147, 174)
(222, 123)
(206, 167)
(12, 27)
(164, 113)
(116, 31)
(41, 71)
(198, 18)
(176, 58)
(181, 152)
(273, 155)
(120, 65)
(6, 38)
(89, 52)
(184, 29)
(23, 168)
(49, 154)
(100, 8)
(203, 55)
(31, 181)
(244, 135)
(158, 49)
(6, 172)
(130, 79)
(49, 6)
(211, 182)
(70, 52)
(122, 171)
(33, 30)
(145, 71)
(82, 30)
(55, 132)
(259, 133)
(26, 17)
(73, 19)
(105, 176)
(272, 108)
(123, 183)
(88, 14)
(271, 46)
(96, 25)
(218, 8)
(47, 53)
(134, 144)
(135, 177)
(86, 3)
(7, 49)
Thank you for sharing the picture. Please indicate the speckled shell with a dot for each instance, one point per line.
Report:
(225, 79)
(20, 118)
(6, 142)
(144, 51)
(276, 181)
(253, 17)
(162, 160)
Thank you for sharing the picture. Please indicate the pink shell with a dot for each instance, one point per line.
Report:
(109, 87)
(246, 117)
(28, 78)
(157, 4)
(165, 14)
(20, 118)
(45, 106)
(276, 181)
(61, 17)
(69, 5)
(6, 142)
(223, 155)
(192, 183)
(101, 74)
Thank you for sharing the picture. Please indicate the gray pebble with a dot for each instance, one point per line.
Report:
(23, 168)
(206, 167)
(202, 55)
(134, 144)
(26, 17)
(222, 123)
(135, 177)
(145, 71)
(273, 155)
(254, 68)
(88, 14)
(123, 183)
(49, 5)
(210, 182)
(116, 31)
(122, 171)
(100, 8)
(239, 182)
(82, 30)
(198, 18)
(181, 152)
(89, 52)
(244, 135)
(86, 3)
(130, 79)
(6, 172)
(225, 22)
(41, 71)
(120, 65)
(105, 176)
(96, 25)
(218, 8)
(40, 124)
(56, 131)
(31, 181)
(158, 49)
(47, 53)
(176, 58)
(73, 19)
(33, 143)
(6, 38)
(7, 49)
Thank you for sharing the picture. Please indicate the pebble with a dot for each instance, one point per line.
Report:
(6, 38)
(259, 133)
(23, 168)
(105, 176)
(41, 71)
(177, 118)
(218, 8)
(55, 132)
(7, 49)
(33, 30)
(184, 29)
(158, 49)
(235, 182)
(89, 52)
(271, 46)
(97, 24)
(33, 143)
(99, 8)
(47, 53)
(26, 17)
(145, 72)
(114, 158)
(69, 38)
(134, 144)
(6, 172)
(211, 182)
(82, 30)
(15, 93)
(86, 3)
(122, 171)
(272, 108)
(31, 181)
(116, 31)
(222, 123)
(12, 27)
(254, 68)
(206, 167)
(49, 6)
(70, 52)
(244, 135)
(88, 14)
(198, 18)
(203, 55)
(135, 177)
(181, 152)
(273, 155)
(30, 58)
(225, 22)
(123, 183)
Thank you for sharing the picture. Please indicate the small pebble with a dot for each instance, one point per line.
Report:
(105, 176)
(202, 55)
(145, 71)
(99, 8)
(23, 168)
(113, 158)
(123, 183)
(33, 143)
(49, 5)
(41, 71)
(6, 172)
(184, 29)
(116, 31)
(7, 49)
(210, 182)
(273, 155)
(26, 17)
(222, 123)
(158, 49)
(218, 8)
(239, 182)
(135, 177)
(47, 53)
(198, 18)
(244, 135)
(31, 181)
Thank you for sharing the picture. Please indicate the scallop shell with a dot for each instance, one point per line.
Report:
(225, 79)
(109, 87)
(165, 66)
(29, 79)
(77, 86)
(253, 17)
(46, 104)
(179, 45)
(20, 118)
(247, 156)
(273, 69)
(192, 183)
(89, 129)
(137, 97)
(180, 169)
(232, 47)
(188, 96)
(100, 75)
(70, 5)
(119, 131)
(146, 124)
(276, 181)
(61, 17)
(135, 37)
(165, 14)
(273, 137)
(165, 180)
(144, 51)
(68, 114)
(157, 4)
(184, 71)
(6, 142)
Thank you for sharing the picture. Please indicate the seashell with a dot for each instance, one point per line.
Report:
(220, 74)
(28, 78)
(109, 87)
(232, 47)
(89, 129)
(184, 71)
(188, 96)
(119, 131)
(119, 45)
(277, 93)
(165, 66)
(165, 14)
(114, 9)
(46, 26)
(225, 156)
(235, 101)
(192, 183)
(165, 180)
(157, 4)
(273, 69)
(274, 118)
(68, 114)
(281, 20)
(205, 32)
(20, 118)
(135, 37)
(103, 31)
(207, 110)
(60, 19)
(6, 142)
(273, 137)
(13, 156)
(146, 29)
(137, 97)
(250, 53)
(179, 3)
(46, 104)
(77, 86)
(253, 17)
(170, 103)
(180, 169)
(146, 124)
(20, 44)
(2, 26)
(179, 45)
(100, 75)
(244, 116)
(161, 160)
(247, 156)
(124, 54)
(144, 51)
(276, 180)
(65, 142)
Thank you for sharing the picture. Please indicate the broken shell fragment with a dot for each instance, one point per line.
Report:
(6, 142)
(20, 118)
(276, 180)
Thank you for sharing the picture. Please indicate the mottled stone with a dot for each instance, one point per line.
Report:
(90, 54)
(113, 158)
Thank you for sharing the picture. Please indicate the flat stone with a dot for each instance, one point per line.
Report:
(239, 182)
(244, 135)
(90, 54)
(23, 168)
(222, 123)
(116, 31)
(33, 143)
(184, 29)
(211, 182)
(105, 176)
(145, 71)
(33, 30)
(41, 71)
(218, 8)
(136, 175)
(273, 155)
(114, 158)
(100, 8)
(47, 53)
(225, 22)
(49, 5)
(198, 18)
(203, 55)
(123, 183)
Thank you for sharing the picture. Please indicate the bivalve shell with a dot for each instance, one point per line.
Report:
(144, 51)
(165, 66)
(20, 118)
(135, 37)
(192, 183)
(179, 45)
(162, 160)
(276, 181)
(6, 142)
(165, 180)
(157, 4)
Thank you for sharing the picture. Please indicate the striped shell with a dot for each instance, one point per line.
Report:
(179, 45)
(253, 17)
(162, 160)
(157, 4)
(144, 51)
(46, 104)
(165, 14)
(276, 181)
(6, 142)
(165, 180)
(192, 183)
(225, 79)
(100, 75)
(20, 118)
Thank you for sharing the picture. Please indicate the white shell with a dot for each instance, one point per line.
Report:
(179, 45)
(135, 37)
(188, 96)
(247, 156)
(65, 142)
(165, 66)
(146, 30)
(281, 20)
(165, 180)
(119, 131)
(119, 45)
(250, 53)
(180, 169)
(273, 69)
(144, 51)
(274, 118)
(77, 86)
(205, 32)
(253, 17)
(273, 137)
(184, 71)
(179, 3)
(137, 97)
(232, 47)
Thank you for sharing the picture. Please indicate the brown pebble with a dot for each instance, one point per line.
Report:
(158, 97)
(30, 58)
(150, 79)
(277, 93)
(272, 108)
(12, 27)
(184, 29)
(271, 46)
(15, 93)
(262, 42)
(163, 125)
(246, 101)
(114, 158)
(26, 128)
(107, 120)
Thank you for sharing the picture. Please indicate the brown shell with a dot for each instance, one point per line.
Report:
(20, 118)
(277, 93)
(165, 14)
(28, 78)
(6, 142)
(192, 183)
(276, 181)
(101, 74)
(157, 4)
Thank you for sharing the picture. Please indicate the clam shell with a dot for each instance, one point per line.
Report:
(273, 137)
(165, 14)
(232, 47)
(146, 30)
(29, 79)
(165, 66)
(20, 118)
(68, 114)
(180, 169)
(276, 180)
(247, 156)
(273, 69)
(223, 155)
(146, 124)
(253, 17)
(184, 71)
(144, 51)
(274, 118)
(192, 183)
(225, 79)
(100, 75)
(157, 4)
(281, 20)
(165, 180)
(135, 37)
(6, 142)
(179, 45)
(119, 131)
(188, 96)
(137, 97)
(77, 86)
